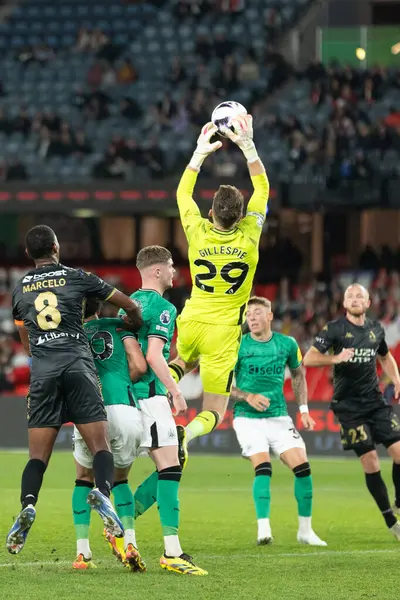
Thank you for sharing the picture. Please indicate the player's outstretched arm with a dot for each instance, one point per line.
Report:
(129, 306)
(315, 358)
(242, 136)
(136, 361)
(188, 208)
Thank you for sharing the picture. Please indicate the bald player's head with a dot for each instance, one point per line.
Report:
(356, 300)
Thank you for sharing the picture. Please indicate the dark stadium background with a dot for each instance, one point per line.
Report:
(100, 107)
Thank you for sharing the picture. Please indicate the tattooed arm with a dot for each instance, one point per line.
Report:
(299, 385)
(257, 401)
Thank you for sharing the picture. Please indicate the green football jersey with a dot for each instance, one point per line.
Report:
(261, 370)
(106, 344)
(159, 318)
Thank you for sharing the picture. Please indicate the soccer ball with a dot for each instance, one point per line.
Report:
(224, 113)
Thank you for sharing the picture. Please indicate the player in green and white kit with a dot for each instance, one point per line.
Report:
(261, 420)
(159, 428)
(119, 361)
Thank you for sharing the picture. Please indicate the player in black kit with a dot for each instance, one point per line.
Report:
(355, 343)
(48, 307)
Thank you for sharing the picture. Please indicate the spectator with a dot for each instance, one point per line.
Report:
(81, 145)
(22, 122)
(16, 171)
(5, 123)
(127, 72)
(130, 109)
(248, 70)
(177, 73)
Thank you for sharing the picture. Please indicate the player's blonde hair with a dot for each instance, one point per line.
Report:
(260, 300)
(227, 206)
(152, 255)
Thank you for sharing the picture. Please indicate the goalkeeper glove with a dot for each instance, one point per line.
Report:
(242, 136)
(204, 146)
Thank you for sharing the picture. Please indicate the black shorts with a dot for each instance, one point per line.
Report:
(72, 396)
(361, 434)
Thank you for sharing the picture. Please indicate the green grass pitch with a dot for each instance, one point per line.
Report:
(218, 528)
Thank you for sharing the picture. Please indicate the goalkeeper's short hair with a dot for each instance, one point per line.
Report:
(227, 206)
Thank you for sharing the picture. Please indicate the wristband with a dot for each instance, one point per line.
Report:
(303, 408)
(197, 160)
(250, 153)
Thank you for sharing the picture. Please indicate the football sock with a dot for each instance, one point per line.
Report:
(32, 479)
(396, 481)
(146, 494)
(378, 490)
(124, 503)
(176, 372)
(81, 515)
(205, 422)
(103, 467)
(262, 490)
(303, 489)
(168, 506)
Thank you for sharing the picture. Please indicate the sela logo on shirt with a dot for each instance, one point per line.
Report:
(28, 278)
(165, 317)
(50, 337)
(363, 355)
(266, 369)
(320, 340)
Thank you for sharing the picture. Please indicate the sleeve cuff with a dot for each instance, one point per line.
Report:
(110, 295)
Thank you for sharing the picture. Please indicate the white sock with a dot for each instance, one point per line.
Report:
(130, 537)
(264, 529)
(305, 525)
(172, 545)
(82, 547)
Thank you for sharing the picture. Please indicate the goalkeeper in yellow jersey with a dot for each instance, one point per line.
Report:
(223, 255)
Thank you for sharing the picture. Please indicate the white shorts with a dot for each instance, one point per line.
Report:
(158, 425)
(125, 430)
(259, 435)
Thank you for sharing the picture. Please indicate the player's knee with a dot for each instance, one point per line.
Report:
(303, 470)
(170, 473)
(369, 459)
(83, 473)
(263, 469)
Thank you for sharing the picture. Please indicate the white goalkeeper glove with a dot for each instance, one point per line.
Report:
(242, 136)
(204, 146)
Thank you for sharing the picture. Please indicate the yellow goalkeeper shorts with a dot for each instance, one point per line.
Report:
(217, 347)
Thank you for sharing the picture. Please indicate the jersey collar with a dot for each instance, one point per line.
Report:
(149, 290)
(223, 232)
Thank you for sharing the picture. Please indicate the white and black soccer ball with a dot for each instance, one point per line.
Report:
(223, 114)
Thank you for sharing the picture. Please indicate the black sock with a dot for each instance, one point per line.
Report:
(32, 479)
(378, 490)
(396, 481)
(103, 467)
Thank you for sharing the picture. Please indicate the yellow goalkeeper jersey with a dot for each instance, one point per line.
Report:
(222, 263)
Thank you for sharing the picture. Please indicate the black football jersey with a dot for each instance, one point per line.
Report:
(355, 383)
(50, 301)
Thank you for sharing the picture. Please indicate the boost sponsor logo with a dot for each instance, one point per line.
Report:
(38, 276)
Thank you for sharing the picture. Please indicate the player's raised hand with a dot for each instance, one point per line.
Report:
(308, 422)
(242, 133)
(179, 403)
(344, 356)
(204, 145)
(258, 402)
